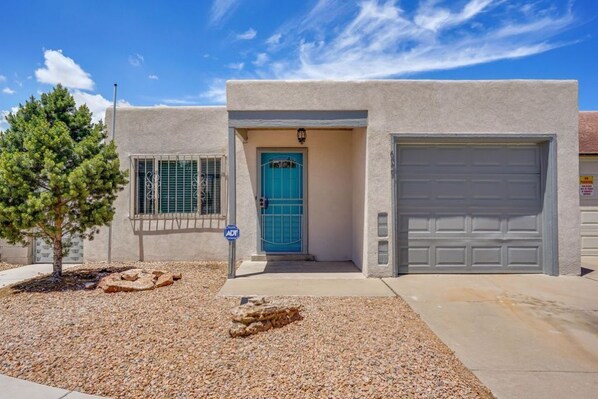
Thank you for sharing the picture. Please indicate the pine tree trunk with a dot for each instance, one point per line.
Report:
(57, 269)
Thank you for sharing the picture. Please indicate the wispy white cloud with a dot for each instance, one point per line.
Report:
(236, 65)
(8, 90)
(96, 103)
(382, 40)
(430, 16)
(261, 59)
(274, 40)
(216, 92)
(153, 77)
(379, 39)
(323, 13)
(2, 78)
(221, 9)
(247, 35)
(136, 60)
(59, 68)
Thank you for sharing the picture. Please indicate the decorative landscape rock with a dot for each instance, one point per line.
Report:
(260, 315)
(137, 280)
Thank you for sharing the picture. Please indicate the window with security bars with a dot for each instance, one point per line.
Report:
(177, 185)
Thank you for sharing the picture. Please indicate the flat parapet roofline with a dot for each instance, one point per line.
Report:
(294, 119)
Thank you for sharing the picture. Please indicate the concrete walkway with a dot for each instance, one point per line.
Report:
(302, 279)
(14, 388)
(524, 336)
(16, 275)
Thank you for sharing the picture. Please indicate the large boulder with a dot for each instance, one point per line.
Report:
(260, 315)
(136, 280)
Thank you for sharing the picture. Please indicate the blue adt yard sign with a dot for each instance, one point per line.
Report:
(231, 232)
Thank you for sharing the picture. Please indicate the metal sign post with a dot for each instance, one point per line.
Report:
(112, 133)
(231, 233)
(232, 204)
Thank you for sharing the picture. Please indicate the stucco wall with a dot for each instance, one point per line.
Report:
(329, 193)
(475, 107)
(16, 254)
(359, 166)
(163, 130)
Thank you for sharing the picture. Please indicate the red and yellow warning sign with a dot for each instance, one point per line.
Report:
(586, 186)
(586, 179)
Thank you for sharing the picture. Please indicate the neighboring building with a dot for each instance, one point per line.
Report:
(396, 176)
(588, 172)
(14, 254)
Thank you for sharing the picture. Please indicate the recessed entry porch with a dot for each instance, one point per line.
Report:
(298, 191)
(298, 269)
(301, 278)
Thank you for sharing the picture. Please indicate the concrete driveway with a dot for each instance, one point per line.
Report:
(524, 336)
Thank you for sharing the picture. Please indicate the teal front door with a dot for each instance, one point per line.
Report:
(281, 202)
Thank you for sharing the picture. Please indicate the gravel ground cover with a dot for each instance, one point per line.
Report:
(7, 266)
(173, 343)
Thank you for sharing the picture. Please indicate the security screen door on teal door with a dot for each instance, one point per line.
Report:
(281, 202)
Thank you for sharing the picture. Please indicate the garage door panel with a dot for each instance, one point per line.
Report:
(523, 256)
(457, 190)
(487, 189)
(524, 157)
(450, 157)
(412, 223)
(449, 189)
(416, 256)
(589, 231)
(451, 223)
(488, 157)
(527, 188)
(523, 223)
(451, 256)
(413, 156)
(487, 256)
(469, 208)
(589, 217)
(492, 225)
(488, 223)
(472, 158)
(428, 256)
(415, 189)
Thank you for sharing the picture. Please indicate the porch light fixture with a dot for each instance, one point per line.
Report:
(301, 135)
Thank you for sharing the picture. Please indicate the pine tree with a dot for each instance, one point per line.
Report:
(59, 175)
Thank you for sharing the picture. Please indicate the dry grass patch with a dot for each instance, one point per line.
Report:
(173, 343)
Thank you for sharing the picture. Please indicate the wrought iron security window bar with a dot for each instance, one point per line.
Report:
(177, 186)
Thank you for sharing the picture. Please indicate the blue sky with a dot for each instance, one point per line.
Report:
(182, 52)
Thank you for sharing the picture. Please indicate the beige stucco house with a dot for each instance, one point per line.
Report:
(395, 176)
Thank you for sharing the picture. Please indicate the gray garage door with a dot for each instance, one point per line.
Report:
(469, 208)
(44, 253)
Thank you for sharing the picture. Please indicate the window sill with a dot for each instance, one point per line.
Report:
(178, 216)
